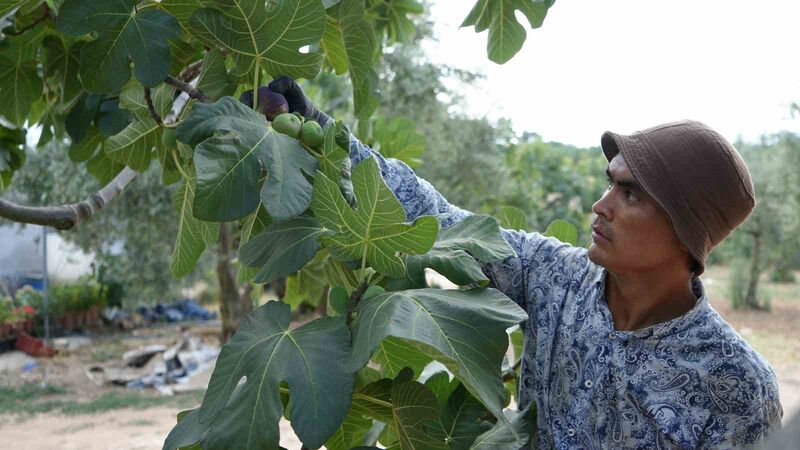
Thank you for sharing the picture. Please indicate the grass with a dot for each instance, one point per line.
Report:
(141, 423)
(32, 398)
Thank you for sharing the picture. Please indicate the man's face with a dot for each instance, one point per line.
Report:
(631, 232)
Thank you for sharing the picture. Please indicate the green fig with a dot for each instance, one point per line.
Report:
(287, 124)
(168, 139)
(311, 134)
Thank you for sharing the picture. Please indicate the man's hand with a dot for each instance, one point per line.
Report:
(298, 102)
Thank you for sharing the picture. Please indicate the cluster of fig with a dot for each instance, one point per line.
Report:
(276, 109)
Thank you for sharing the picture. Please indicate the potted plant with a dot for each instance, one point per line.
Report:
(6, 327)
(31, 303)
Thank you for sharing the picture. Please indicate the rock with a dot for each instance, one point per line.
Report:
(14, 361)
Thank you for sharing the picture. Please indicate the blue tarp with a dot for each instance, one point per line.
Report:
(185, 309)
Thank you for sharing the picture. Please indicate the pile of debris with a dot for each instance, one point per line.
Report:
(177, 368)
(181, 310)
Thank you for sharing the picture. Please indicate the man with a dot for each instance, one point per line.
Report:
(622, 349)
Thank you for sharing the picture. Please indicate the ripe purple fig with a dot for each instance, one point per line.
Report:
(271, 104)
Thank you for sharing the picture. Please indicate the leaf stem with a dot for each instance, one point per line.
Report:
(364, 260)
(178, 165)
(255, 85)
(312, 151)
(355, 298)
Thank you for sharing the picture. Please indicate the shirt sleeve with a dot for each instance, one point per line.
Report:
(417, 196)
(511, 275)
(744, 428)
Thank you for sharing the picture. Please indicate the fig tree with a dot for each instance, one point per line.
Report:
(311, 134)
(271, 104)
(168, 139)
(287, 124)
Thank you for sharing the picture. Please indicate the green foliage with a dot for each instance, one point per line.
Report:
(512, 218)
(424, 316)
(141, 225)
(507, 436)
(303, 213)
(6, 309)
(398, 138)
(257, 36)
(506, 35)
(375, 231)
(738, 285)
(351, 32)
(555, 182)
(79, 296)
(268, 353)
(229, 164)
(12, 153)
(122, 34)
(775, 222)
(193, 234)
(458, 252)
(563, 231)
(282, 248)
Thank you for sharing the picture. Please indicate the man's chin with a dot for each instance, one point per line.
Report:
(597, 255)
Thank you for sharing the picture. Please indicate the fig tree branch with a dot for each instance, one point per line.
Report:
(149, 100)
(191, 71)
(64, 217)
(32, 24)
(188, 88)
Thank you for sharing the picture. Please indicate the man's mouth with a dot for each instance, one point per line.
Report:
(599, 234)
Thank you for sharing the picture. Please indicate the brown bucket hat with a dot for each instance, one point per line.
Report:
(694, 174)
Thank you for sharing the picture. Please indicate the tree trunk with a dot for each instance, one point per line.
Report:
(233, 306)
(751, 299)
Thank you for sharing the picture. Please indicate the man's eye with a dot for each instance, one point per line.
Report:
(629, 195)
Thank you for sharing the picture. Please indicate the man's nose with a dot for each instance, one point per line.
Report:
(602, 208)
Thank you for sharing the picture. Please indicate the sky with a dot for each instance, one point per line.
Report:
(626, 65)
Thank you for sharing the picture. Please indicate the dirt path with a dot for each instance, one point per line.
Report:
(123, 429)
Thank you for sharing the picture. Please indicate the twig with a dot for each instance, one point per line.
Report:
(33, 24)
(191, 71)
(64, 217)
(354, 299)
(188, 88)
(150, 106)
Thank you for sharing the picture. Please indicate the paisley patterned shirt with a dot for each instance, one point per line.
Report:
(690, 382)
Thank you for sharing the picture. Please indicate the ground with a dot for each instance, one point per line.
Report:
(71, 412)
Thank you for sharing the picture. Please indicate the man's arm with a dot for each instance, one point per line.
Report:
(746, 425)
(419, 197)
(416, 195)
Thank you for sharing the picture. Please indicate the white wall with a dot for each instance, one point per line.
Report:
(21, 254)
